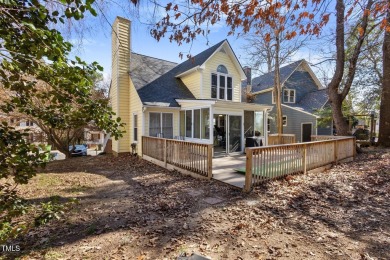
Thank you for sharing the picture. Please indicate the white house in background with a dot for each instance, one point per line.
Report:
(198, 100)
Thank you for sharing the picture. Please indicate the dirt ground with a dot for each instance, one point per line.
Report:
(131, 209)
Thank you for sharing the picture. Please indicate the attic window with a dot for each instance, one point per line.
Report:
(222, 69)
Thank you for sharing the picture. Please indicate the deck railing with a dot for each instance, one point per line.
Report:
(273, 139)
(267, 163)
(181, 155)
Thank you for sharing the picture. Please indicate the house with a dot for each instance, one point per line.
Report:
(302, 95)
(35, 134)
(198, 100)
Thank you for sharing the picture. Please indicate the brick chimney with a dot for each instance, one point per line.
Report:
(120, 82)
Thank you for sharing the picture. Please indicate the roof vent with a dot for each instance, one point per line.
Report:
(222, 50)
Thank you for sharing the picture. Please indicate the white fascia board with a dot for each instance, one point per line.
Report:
(302, 111)
(262, 91)
(313, 75)
(206, 102)
(188, 72)
(232, 56)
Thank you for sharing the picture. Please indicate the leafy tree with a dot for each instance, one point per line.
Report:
(42, 83)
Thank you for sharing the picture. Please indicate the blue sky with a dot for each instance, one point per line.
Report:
(96, 43)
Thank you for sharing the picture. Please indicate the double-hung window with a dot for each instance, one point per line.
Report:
(221, 84)
(161, 125)
(289, 96)
(135, 127)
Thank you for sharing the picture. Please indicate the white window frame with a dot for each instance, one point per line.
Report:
(193, 122)
(135, 126)
(283, 123)
(161, 121)
(289, 101)
(218, 74)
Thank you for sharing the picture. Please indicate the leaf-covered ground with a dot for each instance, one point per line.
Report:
(131, 209)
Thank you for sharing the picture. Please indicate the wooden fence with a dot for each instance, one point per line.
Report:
(273, 139)
(187, 157)
(267, 163)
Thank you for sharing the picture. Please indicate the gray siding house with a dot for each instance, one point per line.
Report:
(302, 95)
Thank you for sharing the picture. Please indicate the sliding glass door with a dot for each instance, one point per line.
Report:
(235, 134)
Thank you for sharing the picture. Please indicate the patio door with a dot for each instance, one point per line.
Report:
(234, 134)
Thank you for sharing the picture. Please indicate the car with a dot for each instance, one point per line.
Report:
(78, 150)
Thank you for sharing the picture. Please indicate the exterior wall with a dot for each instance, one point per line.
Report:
(264, 98)
(120, 85)
(302, 82)
(135, 108)
(193, 82)
(295, 119)
(176, 119)
(211, 66)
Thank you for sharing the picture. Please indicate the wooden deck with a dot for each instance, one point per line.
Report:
(224, 170)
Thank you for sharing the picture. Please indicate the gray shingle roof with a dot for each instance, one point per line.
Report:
(312, 101)
(267, 80)
(145, 69)
(156, 82)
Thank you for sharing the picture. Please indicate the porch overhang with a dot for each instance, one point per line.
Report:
(225, 104)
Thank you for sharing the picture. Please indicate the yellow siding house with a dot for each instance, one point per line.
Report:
(198, 100)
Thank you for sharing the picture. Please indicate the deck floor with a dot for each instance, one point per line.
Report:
(223, 169)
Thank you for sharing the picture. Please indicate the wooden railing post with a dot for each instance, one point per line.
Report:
(165, 153)
(354, 147)
(335, 151)
(248, 171)
(210, 161)
(304, 159)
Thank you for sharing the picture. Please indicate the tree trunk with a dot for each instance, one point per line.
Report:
(278, 88)
(335, 99)
(384, 117)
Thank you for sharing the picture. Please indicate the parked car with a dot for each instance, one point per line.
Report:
(78, 150)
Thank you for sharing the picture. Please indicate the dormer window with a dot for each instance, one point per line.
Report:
(289, 96)
(221, 84)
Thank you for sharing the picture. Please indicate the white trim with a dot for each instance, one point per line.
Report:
(173, 108)
(262, 91)
(297, 109)
(312, 74)
(288, 96)
(207, 102)
(161, 122)
(231, 54)
(188, 71)
(135, 125)
(302, 129)
(219, 74)
(201, 84)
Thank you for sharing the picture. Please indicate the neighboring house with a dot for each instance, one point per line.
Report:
(302, 95)
(93, 137)
(36, 135)
(198, 100)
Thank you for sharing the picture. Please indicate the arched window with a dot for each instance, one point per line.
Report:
(221, 84)
(222, 69)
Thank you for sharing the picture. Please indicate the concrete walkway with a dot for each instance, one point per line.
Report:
(223, 170)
